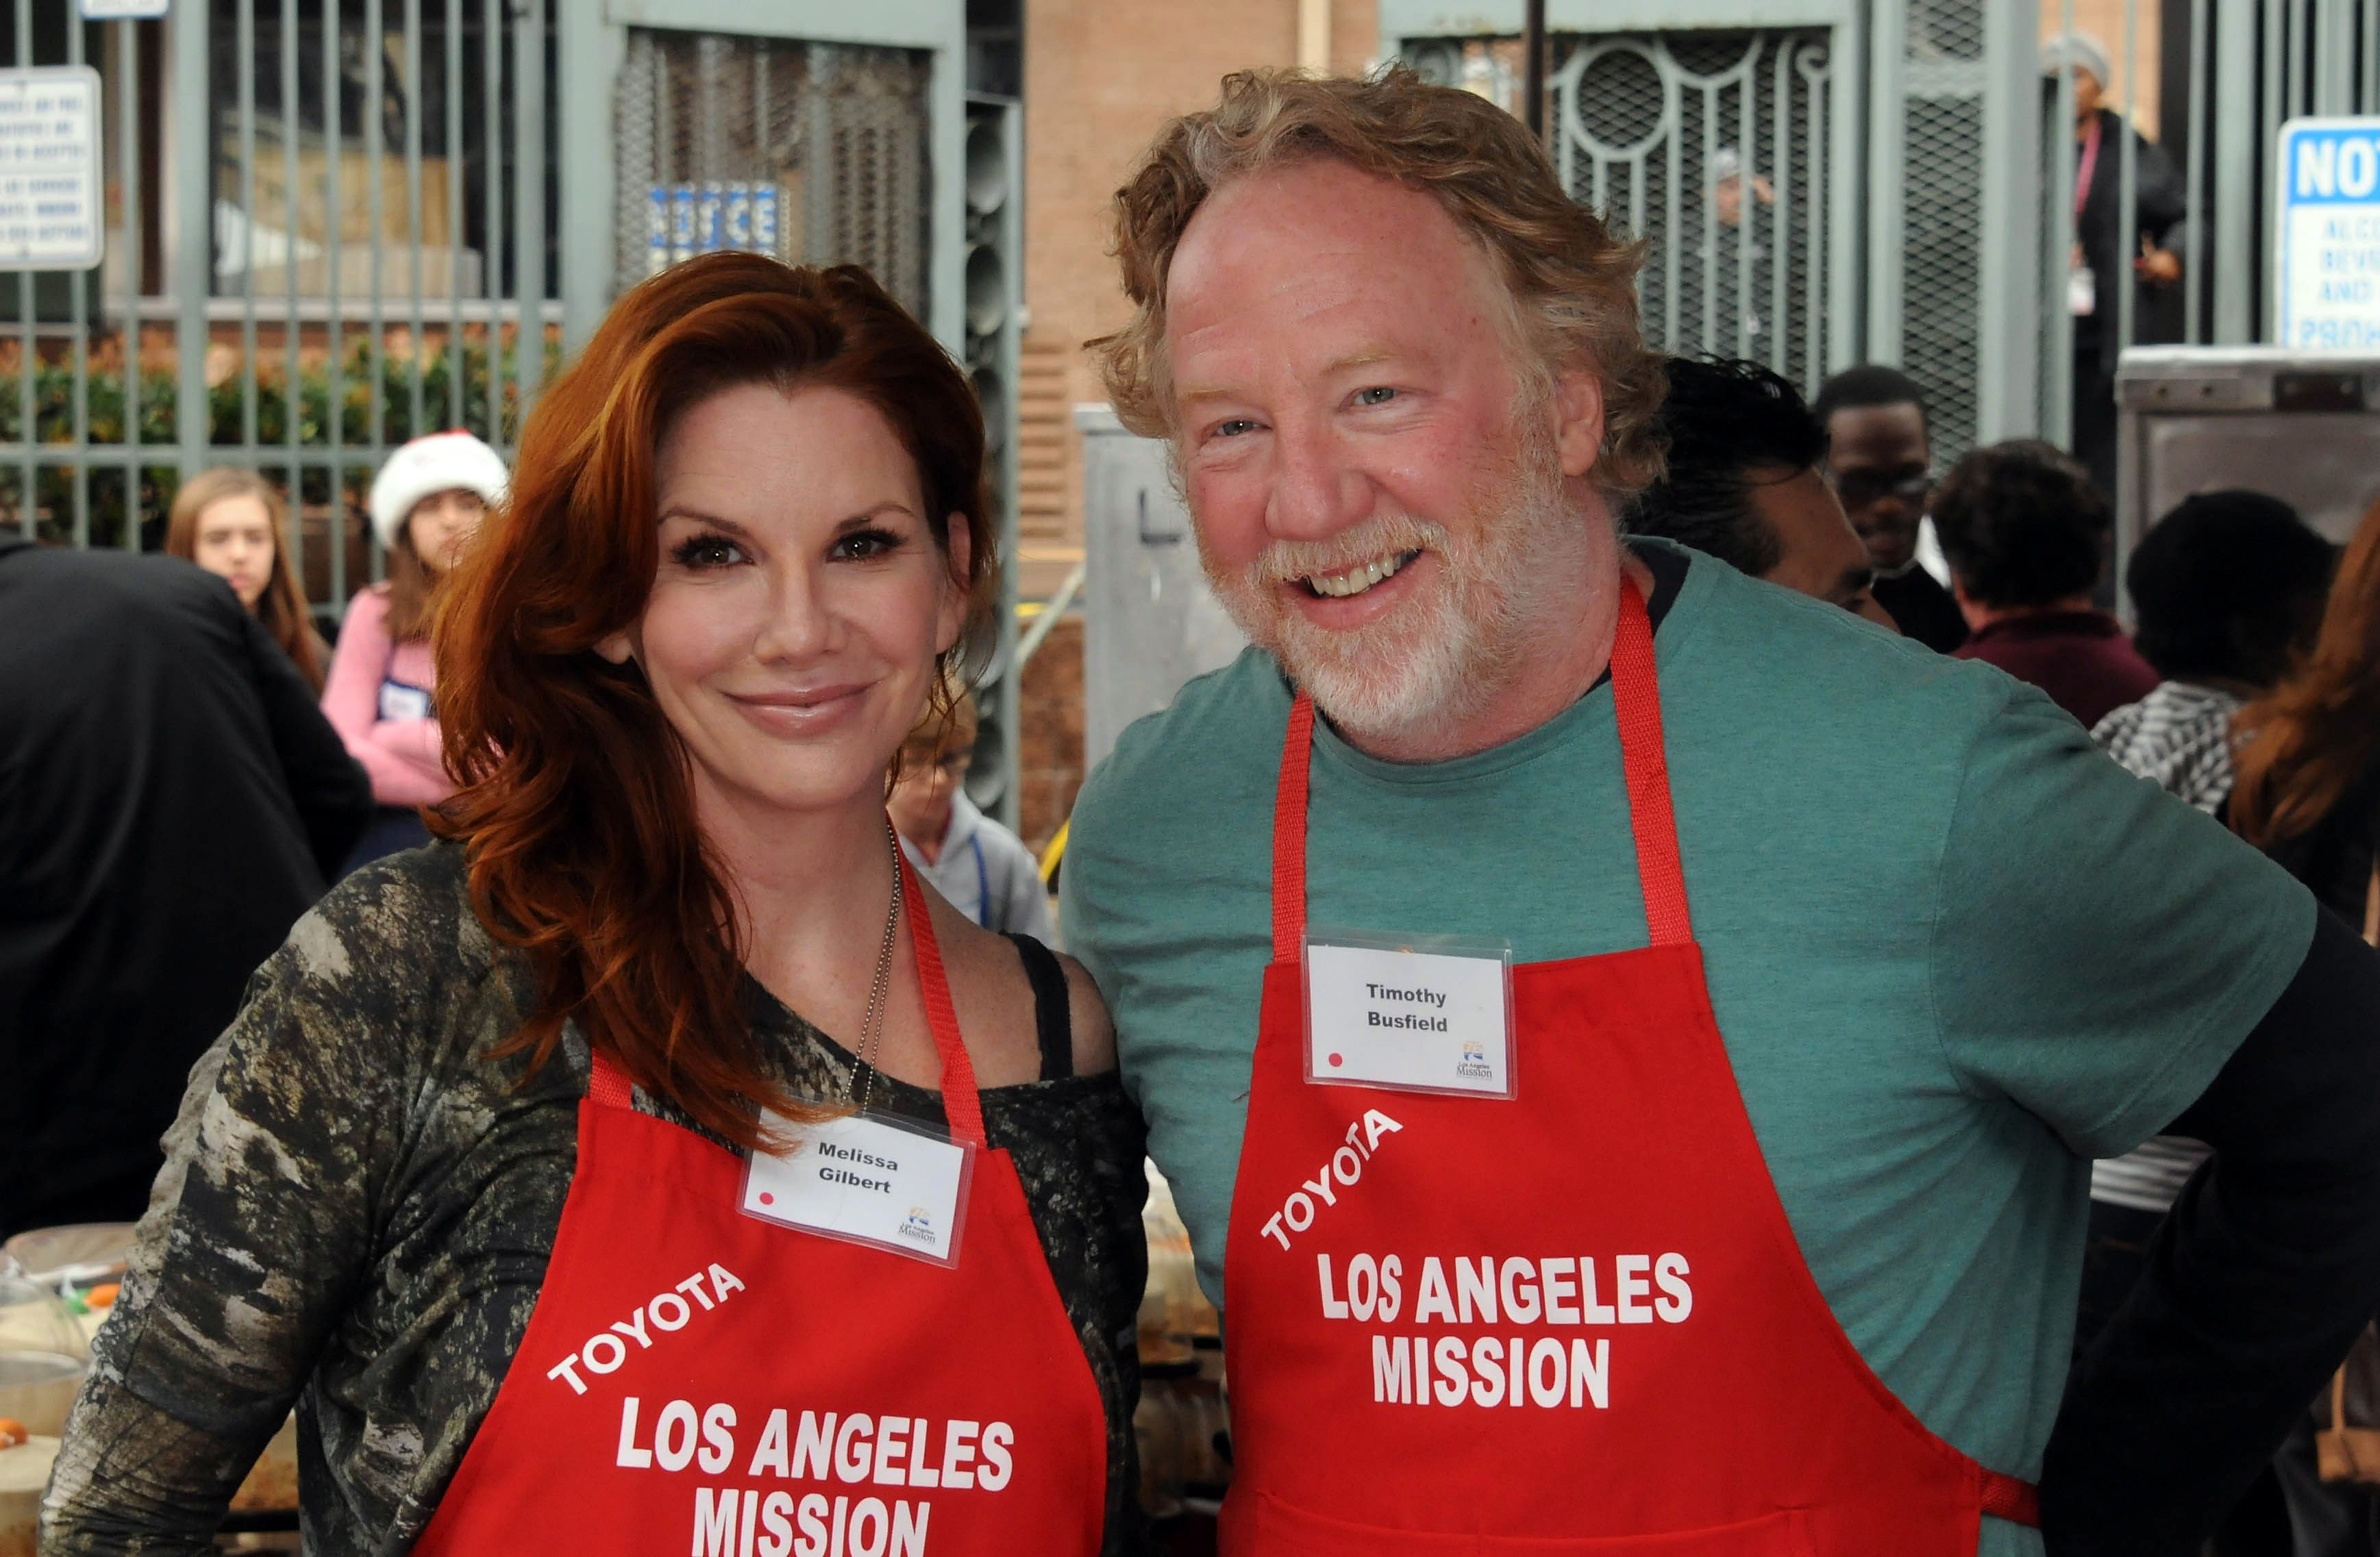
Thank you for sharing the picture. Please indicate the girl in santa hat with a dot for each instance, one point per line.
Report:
(425, 502)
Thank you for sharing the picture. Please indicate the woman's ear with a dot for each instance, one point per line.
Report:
(960, 548)
(616, 648)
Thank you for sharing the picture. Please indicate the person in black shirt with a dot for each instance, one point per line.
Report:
(1742, 485)
(1880, 463)
(172, 801)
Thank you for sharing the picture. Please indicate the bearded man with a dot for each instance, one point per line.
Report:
(1626, 1039)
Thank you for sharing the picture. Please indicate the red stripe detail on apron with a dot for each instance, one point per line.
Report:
(960, 1104)
(2005, 1497)
(609, 1087)
(1288, 834)
(1637, 696)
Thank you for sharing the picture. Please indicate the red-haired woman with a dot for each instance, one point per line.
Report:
(531, 1171)
(2308, 785)
(2307, 792)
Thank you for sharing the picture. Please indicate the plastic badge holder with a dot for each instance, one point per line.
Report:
(909, 1239)
(1476, 1057)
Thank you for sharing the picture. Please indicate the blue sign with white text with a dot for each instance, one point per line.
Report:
(2326, 226)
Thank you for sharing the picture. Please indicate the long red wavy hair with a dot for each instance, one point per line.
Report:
(2310, 740)
(576, 807)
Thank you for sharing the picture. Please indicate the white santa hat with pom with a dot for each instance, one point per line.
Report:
(438, 462)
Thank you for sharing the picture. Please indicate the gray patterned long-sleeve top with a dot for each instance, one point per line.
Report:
(358, 1208)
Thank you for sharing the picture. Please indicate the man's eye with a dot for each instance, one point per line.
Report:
(1379, 394)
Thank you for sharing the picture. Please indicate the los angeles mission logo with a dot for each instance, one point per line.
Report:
(1474, 1062)
(782, 1480)
(1546, 1306)
(919, 1227)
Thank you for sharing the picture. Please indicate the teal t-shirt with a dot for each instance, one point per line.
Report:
(1954, 951)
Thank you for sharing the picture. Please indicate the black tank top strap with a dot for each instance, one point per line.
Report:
(1053, 1018)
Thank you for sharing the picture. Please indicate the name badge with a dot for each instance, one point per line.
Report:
(398, 701)
(2082, 291)
(1411, 1012)
(866, 1180)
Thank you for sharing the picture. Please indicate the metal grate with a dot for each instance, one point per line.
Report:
(1941, 244)
(814, 152)
(316, 214)
(1712, 147)
(1941, 296)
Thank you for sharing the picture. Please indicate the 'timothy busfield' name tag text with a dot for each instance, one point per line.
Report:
(1407, 1009)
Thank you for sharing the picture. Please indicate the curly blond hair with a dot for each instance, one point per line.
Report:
(1571, 283)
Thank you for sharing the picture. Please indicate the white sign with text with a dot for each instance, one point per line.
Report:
(52, 211)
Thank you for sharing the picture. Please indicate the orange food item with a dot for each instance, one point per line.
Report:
(101, 1295)
(13, 1433)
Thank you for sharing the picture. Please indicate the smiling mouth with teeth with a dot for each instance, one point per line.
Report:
(1355, 581)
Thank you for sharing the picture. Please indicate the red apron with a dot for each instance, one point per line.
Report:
(696, 1380)
(1573, 1322)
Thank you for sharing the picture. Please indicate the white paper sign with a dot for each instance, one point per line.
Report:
(867, 1181)
(51, 216)
(1380, 1014)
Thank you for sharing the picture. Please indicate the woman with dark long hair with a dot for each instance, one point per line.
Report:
(656, 1162)
(2308, 790)
(230, 522)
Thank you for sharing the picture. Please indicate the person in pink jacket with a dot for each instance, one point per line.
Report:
(425, 502)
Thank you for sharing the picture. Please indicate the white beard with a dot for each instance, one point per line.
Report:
(1440, 656)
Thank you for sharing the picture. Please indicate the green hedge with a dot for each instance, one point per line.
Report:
(361, 399)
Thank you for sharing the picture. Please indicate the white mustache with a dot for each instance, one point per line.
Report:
(1285, 562)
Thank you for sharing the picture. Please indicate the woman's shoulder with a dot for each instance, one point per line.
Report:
(400, 931)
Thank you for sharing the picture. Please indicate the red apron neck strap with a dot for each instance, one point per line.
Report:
(1636, 696)
(610, 1086)
(961, 1104)
(1289, 833)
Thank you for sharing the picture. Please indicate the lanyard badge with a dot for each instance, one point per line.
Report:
(1409, 1013)
(866, 1179)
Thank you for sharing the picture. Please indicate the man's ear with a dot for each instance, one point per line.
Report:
(960, 545)
(1578, 419)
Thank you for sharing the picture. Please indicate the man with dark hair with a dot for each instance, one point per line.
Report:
(1742, 485)
(1879, 460)
(2224, 589)
(2025, 531)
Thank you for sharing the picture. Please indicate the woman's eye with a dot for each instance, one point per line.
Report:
(707, 551)
(862, 544)
(1379, 394)
(1235, 427)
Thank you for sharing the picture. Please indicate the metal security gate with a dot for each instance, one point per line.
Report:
(327, 231)
(1713, 145)
(813, 153)
(1952, 211)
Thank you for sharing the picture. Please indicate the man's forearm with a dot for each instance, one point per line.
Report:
(2255, 1287)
